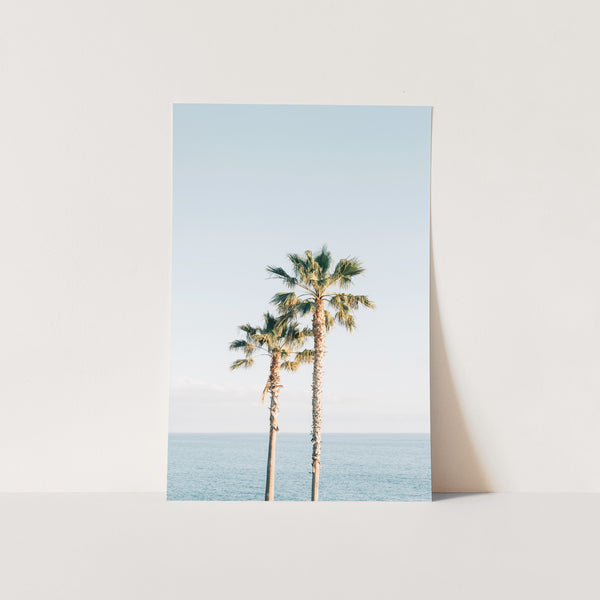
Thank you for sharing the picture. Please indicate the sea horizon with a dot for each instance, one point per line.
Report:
(422, 433)
(355, 466)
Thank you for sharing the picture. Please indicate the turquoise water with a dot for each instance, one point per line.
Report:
(354, 466)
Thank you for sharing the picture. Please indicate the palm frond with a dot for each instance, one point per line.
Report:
(285, 319)
(305, 332)
(237, 344)
(304, 307)
(271, 323)
(244, 345)
(265, 390)
(338, 303)
(247, 328)
(289, 365)
(314, 274)
(293, 332)
(350, 301)
(304, 268)
(264, 340)
(242, 362)
(288, 302)
(329, 320)
(279, 273)
(324, 259)
(301, 358)
(345, 319)
(285, 301)
(354, 301)
(306, 356)
(345, 270)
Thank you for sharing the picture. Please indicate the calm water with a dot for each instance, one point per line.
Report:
(354, 466)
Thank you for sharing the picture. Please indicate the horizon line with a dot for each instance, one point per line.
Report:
(308, 432)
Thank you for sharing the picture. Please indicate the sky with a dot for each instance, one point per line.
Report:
(252, 183)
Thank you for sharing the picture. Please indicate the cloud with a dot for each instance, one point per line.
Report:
(188, 388)
(199, 405)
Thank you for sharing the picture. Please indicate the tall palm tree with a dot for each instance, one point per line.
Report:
(319, 283)
(281, 339)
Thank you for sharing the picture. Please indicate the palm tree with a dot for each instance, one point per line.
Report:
(281, 339)
(317, 280)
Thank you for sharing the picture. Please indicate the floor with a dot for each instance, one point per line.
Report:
(130, 546)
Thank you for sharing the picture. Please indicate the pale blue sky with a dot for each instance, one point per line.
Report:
(255, 182)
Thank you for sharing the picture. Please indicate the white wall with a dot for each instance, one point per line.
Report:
(85, 226)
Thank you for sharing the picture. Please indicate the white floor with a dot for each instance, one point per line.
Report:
(130, 546)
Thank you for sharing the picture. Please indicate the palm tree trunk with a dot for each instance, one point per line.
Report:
(273, 427)
(317, 392)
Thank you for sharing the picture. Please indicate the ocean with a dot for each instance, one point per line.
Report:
(354, 467)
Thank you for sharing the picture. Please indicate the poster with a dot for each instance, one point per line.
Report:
(300, 303)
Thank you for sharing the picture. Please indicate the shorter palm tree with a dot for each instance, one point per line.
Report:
(281, 339)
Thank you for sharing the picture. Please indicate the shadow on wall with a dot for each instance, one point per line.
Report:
(455, 466)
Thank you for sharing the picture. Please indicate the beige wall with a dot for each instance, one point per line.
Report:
(85, 221)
